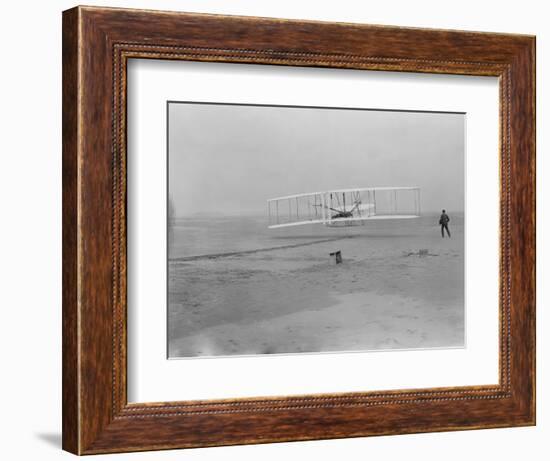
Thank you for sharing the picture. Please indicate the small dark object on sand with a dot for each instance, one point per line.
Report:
(337, 256)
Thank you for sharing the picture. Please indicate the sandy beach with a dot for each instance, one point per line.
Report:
(291, 297)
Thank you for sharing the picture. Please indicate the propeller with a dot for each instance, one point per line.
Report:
(357, 203)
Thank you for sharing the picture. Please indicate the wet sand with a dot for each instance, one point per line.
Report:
(293, 298)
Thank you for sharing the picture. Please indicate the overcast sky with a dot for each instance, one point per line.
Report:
(230, 159)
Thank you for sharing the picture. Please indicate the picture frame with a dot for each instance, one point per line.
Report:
(97, 44)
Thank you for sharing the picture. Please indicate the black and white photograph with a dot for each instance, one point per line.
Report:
(298, 229)
(275, 230)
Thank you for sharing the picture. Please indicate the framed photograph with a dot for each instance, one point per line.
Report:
(281, 230)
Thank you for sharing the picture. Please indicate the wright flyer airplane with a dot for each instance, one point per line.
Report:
(344, 207)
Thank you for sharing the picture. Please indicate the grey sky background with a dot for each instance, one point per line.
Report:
(226, 159)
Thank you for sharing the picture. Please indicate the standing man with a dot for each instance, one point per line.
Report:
(444, 221)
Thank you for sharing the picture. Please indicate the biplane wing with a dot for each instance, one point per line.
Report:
(344, 207)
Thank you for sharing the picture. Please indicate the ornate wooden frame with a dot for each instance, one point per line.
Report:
(97, 43)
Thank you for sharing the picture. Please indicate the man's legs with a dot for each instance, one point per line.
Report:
(442, 227)
(447, 229)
